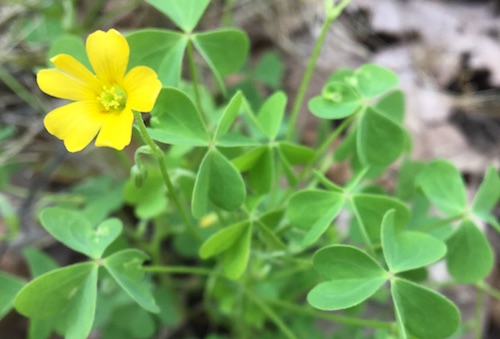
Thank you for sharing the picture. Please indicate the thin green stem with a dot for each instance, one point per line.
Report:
(159, 155)
(194, 79)
(299, 99)
(489, 290)
(362, 228)
(331, 317)
(478, 328)
(287, 332)
(332, 13)
(178, 270)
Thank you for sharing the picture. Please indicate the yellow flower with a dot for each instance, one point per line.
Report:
(103, 102)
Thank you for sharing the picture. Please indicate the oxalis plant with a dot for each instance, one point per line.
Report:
(234, 220)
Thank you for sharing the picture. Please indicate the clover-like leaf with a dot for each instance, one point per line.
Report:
(217, 181)
(380, 141)
(488, 193)
(270, 115)
(160, 49)
(9, 285)
(353, 276)
(337, 101)
(370, 209)
(470, 257)
(126, 268)
(408, 250)
(69, 293)
(423, 313)
(314, 211)
(185, 13)
(228, 116)
(442, 185)
(75, 231)
(175, 120)
(373, 80)
(234, 242)
(213, 46)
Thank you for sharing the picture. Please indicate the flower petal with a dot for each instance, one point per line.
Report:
(117, 130)
(108, 54)
(68, 64)
(61, 85)
(76, 123)
(142, 87)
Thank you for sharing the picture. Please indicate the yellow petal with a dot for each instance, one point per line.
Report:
(61, 85)
(76, 123)
(68, 64)
(108, 54)
(142, 87)
(117, 130)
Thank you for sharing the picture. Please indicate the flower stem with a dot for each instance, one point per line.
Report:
(489, 290)
(159, 155)
(478, 328)
(194, 79)
(332, 14)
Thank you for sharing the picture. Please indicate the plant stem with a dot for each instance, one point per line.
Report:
(478, 328)
(332, 317)
(194, 79)
(299, 99)
(489, 290)
(271, 315)
(178, 270)
(159, 155)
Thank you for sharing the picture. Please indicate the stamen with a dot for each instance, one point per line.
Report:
(112, 98)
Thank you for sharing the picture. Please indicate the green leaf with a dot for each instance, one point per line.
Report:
(488, 193)
(295, 154)
(337, 101)
(185, 13)
(373, 80)
(72, 45)
(222, 240)
(470, 257)
(370, 210)
(271, 114)
(422, 312)
(408, 172)
(69, 292)
(235, 242)
(160, 49)
(10, 286)
(314, 211)
(224, 50)
(175, 120)
(39, 262)
(247, 160)
(76, 232)
(352, 275)
(380, 140)
(235, 259)
(261, 176)
(392, 105)
(150, 198)
(126, 268)
(404, 251)
(269, 70)
(218, 181)
(442, 184)
(229, 115)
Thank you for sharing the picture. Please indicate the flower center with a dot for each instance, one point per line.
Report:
(112, 98)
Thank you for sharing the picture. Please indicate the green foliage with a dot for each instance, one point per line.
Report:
(230, 222)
